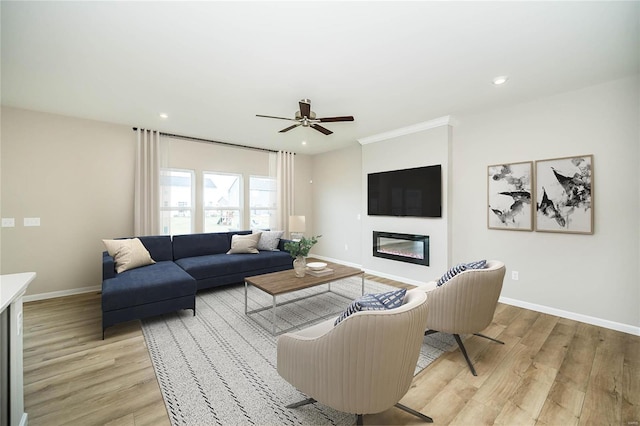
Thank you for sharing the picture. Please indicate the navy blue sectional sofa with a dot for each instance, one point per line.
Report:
(184, 265)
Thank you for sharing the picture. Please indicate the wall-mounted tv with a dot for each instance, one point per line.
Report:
(409, 192)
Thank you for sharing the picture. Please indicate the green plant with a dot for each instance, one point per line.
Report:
(301, 247)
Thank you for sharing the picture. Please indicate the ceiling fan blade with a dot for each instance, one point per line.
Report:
(305, 107)
(289, 128)
(279, 118)
(321, 129)
(334, 119)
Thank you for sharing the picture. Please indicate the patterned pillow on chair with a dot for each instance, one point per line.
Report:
(374, 302)
(461, 267)
(478, 264)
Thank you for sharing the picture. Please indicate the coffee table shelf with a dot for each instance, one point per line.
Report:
(279, 283)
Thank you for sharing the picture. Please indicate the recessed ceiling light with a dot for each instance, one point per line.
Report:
(163, 115)
(304, 142)
(500, 80)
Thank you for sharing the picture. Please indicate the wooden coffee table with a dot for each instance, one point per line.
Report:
(283, 282)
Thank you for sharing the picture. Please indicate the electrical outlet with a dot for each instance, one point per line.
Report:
(346, 247)
(31, 221)
(8, 222)
(514, 275)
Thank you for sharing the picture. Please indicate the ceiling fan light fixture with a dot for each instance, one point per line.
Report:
(500, 80)
(307, 118)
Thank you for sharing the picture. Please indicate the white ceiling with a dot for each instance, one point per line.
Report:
(211, 66)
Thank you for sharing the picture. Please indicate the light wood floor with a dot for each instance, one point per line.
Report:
(550, 371)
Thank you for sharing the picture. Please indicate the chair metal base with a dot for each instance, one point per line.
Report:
(359, 416)
(463, 349)
(301, 403)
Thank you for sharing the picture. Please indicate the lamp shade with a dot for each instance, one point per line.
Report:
(296, 224)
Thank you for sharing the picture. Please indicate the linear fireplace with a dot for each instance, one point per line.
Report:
(408, 248)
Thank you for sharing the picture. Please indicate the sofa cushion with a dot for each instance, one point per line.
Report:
(203, 267)
(162, 281)
(245, 244)
(200, 244)
(159, 247)
(128, 253)
(374, 302)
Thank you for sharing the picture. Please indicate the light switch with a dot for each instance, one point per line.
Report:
(31, 221)
(8, 222)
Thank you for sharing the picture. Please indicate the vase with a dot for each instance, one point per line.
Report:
(299, 266)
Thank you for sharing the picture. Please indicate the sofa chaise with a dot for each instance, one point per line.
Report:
(182, 265)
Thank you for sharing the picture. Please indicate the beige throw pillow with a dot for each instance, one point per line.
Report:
(244, 243)
(128, 254)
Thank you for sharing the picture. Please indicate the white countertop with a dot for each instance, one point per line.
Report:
(13, 286)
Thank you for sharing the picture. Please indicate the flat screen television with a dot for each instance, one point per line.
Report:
(413, 192)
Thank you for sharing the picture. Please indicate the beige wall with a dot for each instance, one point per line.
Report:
(337, 204)
(591, 276)
(75, 175)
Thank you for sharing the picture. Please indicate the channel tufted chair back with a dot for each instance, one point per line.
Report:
(363, 365)
(467, 302)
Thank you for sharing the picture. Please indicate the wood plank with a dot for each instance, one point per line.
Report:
(603, 398)
(562, 406)
(631, 382)
(475, 413)
(578, 361)
(499, 388)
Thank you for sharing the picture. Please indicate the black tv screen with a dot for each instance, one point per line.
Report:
(409, 192)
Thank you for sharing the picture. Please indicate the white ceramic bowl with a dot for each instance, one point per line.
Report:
(316, 266)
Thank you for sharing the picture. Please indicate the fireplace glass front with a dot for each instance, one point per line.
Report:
(408, 248)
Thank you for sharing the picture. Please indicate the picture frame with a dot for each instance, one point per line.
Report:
(564, 195)
(510, 196)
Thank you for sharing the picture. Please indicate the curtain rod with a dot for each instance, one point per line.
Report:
(191, 138)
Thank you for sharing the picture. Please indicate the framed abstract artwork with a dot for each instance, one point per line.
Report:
(564, 195)
(509, 195)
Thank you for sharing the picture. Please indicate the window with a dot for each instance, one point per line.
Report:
(176, 201)
(222, 195)
(262, 202)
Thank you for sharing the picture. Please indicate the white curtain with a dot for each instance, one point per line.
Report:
(146, 216)
(285, 179)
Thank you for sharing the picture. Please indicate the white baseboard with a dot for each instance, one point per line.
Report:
(372, 272)
(612, 325)
(330, 259)
(61, 293)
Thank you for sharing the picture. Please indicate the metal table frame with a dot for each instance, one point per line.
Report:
(274, 306)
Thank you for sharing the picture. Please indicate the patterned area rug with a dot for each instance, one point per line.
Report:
(219, 367)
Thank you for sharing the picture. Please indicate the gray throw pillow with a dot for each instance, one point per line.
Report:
(269, 240)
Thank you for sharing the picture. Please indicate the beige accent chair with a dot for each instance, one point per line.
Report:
(465, 304)
(363, 365)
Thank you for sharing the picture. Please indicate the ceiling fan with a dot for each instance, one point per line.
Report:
(307, 118)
